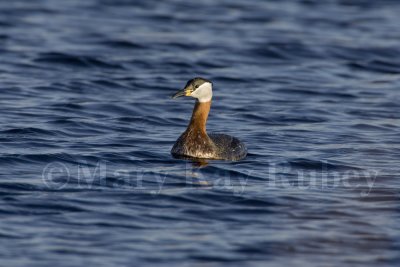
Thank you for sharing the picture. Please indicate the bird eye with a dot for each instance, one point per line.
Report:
(196, 86)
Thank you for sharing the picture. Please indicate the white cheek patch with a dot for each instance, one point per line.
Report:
(203, 93)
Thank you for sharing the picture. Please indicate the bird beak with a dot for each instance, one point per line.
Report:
(183, 92)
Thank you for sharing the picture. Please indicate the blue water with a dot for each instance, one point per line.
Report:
(86, 126)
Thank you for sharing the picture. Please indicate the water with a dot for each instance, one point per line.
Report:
(312, 88)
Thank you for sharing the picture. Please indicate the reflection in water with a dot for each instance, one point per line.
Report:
(200, 163)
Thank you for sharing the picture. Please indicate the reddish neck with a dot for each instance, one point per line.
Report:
(199, 116)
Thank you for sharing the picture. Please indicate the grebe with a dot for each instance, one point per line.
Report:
(195, 142)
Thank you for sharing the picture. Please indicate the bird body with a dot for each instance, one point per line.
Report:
(195, 142)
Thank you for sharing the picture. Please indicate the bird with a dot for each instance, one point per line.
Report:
(195, 142)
